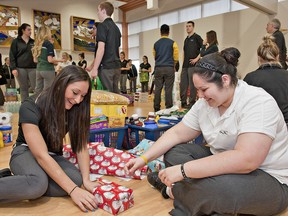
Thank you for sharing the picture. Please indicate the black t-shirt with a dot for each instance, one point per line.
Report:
(274, 80)
(192, 46)
(145, 66)
(81, 63)
(123, 64)
(109, 33)
(30, 113)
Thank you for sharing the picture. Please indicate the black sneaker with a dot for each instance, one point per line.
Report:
(155, 181)
(5, 172)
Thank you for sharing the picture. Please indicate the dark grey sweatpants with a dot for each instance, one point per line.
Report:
(256, 193)
(110, 79)
(164, 76)
(30, 181)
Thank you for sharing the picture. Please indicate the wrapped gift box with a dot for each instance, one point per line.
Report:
(105, 160)
(153, 166)
(112, 197)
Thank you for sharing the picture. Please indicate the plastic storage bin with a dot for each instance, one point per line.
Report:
(111, 137)
(140, 133)
(151, 134)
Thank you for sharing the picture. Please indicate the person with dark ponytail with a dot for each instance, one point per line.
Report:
(270, 75)
(37, 164)
(243, 169)
(21, 60)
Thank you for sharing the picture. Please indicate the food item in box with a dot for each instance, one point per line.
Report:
(104, 97)
(98, 122)
(108, 110)
(112, 197)
(115, 122)
(96, 110)
(105, 161)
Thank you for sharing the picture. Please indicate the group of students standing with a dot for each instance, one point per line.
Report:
(129, 71)
(33, 62)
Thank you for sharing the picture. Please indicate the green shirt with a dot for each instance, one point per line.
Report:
(46, 50)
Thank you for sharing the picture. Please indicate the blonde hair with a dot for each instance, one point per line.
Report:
(44, 33)
(66, 55)
(268, 51)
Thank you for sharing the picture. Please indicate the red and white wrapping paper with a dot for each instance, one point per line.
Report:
(112, 197)
(105, 160)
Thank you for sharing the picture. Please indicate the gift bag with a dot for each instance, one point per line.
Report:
(144, 77)
(96, 84)
(112, 197)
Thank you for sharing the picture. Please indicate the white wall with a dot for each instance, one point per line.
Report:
(66, 8)
(241, 29)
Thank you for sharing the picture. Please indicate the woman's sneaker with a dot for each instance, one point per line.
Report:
(5, 172)
(155, 181)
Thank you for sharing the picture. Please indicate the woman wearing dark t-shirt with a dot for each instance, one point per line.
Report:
(36, 161)
(82, 62)
(145, 69)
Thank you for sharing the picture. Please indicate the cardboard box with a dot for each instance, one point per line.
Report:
(108, 110)
(112, 197)
(98, 122)
(115, 122)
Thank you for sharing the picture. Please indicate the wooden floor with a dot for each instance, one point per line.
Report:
(148, 202)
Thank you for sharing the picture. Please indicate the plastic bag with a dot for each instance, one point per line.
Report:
(96, 84)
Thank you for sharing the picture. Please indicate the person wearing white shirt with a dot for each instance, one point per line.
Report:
(65, 62)
(243, 169)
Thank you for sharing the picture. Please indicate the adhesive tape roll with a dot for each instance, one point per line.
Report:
(5, 118)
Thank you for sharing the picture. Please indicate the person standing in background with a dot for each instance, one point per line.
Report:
(71, 60)
(8, 74)
(21, 60)
(191, 54)
(145, 69)
(273, 28)
(270, 76)
(166, 55)
(124, 73)
(93, 33)
(82, 62)
(43, 53)
(64, 62)
(210, 45)
(132, 75)
(3, 81)
(106, 64)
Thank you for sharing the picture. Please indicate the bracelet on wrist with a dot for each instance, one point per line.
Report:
(73, 190)
(183, 171)
(144, 158)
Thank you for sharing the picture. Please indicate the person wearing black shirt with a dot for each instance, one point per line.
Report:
(191, 49)
(132, 76)
(273, 28)
(270, 76)
(82, 62)
(3, 81)
(124, 73)
(37, 162)
(106, 65)
(8, 74)
(21, 60)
